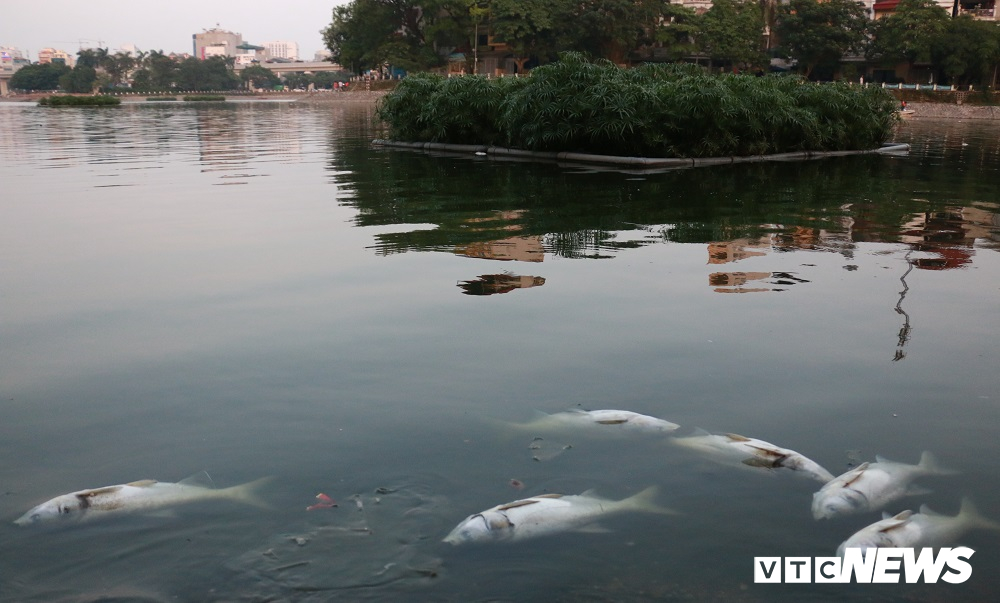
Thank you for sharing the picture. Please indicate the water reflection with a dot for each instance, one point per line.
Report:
(822, 205)
(256, 329)
(492, 284)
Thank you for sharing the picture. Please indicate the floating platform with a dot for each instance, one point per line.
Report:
(631, 162)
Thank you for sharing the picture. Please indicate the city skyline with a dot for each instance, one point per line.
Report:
(71, 26)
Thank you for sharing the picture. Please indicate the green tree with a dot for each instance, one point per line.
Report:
(968, 51)
(732, 31)
(213, 73)
(409, 34)
(259, 77)
(908, 34)
(80, 79)
(118, 67)
(676, 34)
(298, 80)
(38, 77)
(820, 33)
(613, 29)
(532, 28)
(162, 70)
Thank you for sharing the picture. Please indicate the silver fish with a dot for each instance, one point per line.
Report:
(547, 514)
(918, 530)
(136, 497)
(604, 421)
(754, 452)
(871, 486)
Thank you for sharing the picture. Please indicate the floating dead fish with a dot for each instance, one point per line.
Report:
(547, 514)
(918, 530)
(598, 421)
(871, 486)
(138, 497)
(754, 453)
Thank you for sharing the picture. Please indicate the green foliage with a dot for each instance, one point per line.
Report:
(204, 98)
(908, 34)
(38, 77)
(364, 34)
(79, 101)
(732, 32)
(820, 33)
(653, 111)
(155, 99)
(213, 73)
(259, 77)
(968, 50)
(80, 79)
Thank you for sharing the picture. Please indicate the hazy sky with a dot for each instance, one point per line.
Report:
(166, 26)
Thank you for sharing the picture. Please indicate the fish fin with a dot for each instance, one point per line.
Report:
(925, 510)
(591, 492)
(248, 493)
(855, 473)
(930, 465)
(143, 483)
(646, 501)
(881, 459)
(549, 495)
(895, 521)
(98, 491)
(698, 431)
(592, 528)
(970, 516)
(516, 503)
(201, 479)
(737, 437)
(612, 421)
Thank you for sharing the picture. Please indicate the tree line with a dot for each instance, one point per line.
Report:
(418, 35)
(154, 71)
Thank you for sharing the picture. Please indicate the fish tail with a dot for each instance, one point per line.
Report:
(931, 466)
(970, 516)
(646, 501)
(248, 493)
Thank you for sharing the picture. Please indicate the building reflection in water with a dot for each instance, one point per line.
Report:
(517, 248)
(492, 284)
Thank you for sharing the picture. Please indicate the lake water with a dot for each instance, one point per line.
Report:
(253, 290)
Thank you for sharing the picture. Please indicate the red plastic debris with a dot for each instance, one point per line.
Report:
(325, 502)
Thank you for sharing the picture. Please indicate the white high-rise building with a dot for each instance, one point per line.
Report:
(280, 49)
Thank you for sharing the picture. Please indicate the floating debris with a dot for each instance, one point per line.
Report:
(325, 502)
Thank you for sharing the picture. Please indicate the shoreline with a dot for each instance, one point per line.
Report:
(921, 110)
(355, 96)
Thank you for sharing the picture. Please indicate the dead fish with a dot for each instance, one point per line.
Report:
(137, 497)
(754, 453)
(547, 514)
(871, 486)
(603, 421)
(918, 530)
